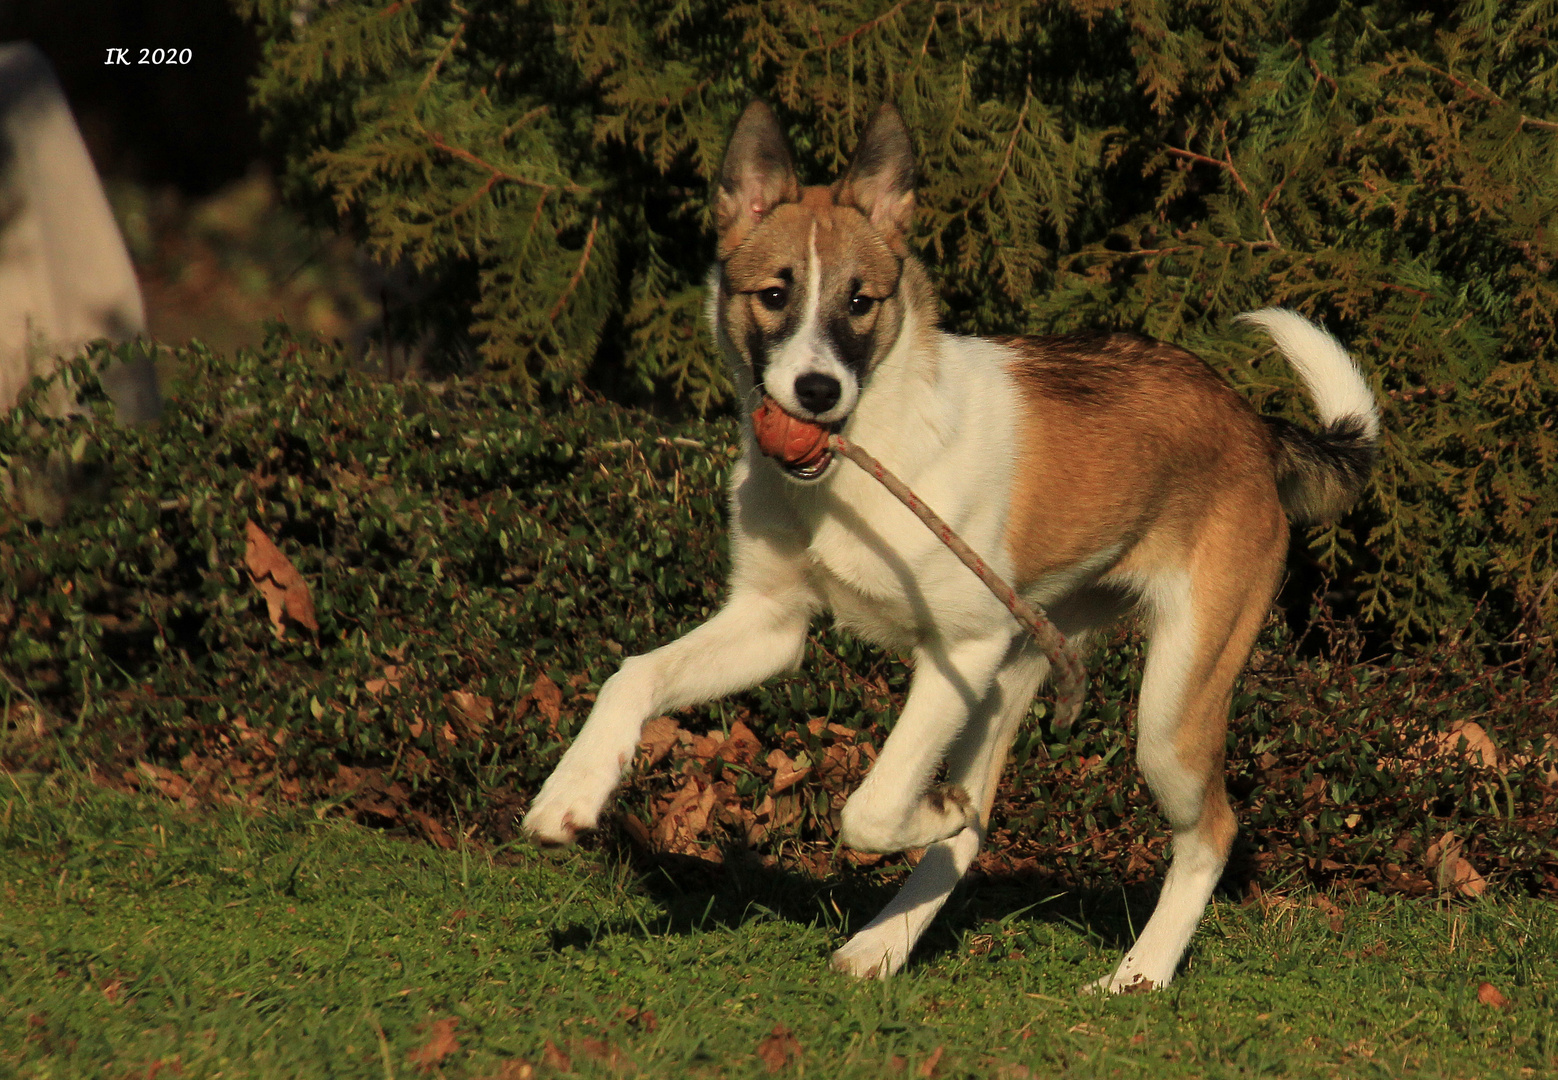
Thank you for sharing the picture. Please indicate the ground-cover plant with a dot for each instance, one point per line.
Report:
(476, 566)
(141, 939)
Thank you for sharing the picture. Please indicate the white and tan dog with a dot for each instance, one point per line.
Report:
(1099, 473)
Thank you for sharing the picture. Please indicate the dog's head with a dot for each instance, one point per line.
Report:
(809, 278)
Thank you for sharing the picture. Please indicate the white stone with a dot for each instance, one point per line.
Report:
(65, 276)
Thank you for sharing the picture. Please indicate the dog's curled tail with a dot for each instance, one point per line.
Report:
(1320, 474)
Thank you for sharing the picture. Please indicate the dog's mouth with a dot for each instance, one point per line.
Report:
(800, 447)
(809, 472)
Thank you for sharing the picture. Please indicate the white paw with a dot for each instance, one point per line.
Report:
(943, 812)
(871, 954)
(565, 806)
(1129, 978)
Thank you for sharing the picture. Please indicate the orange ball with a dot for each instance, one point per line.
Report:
(790, 439)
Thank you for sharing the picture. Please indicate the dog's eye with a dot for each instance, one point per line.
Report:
(774, 299)
(860, 305)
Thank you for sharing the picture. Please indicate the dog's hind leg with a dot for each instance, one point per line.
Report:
(1202, 626)
(754, 636)
(975, 763)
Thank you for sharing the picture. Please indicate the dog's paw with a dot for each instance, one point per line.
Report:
(553, 829)
(871, 954)
(1128, 978)
(942, 812)
(559, 815)
(1110, 985)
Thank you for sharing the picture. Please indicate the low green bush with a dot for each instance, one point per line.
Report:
(478, 565)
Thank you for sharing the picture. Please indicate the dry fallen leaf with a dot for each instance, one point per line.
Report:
(786, 772)
(779, 1048)
(658, 737)
(549, 702)
(1488, 994)
(440, 1044)
(469, 712)
(390, 681)
(553, 1058)
(166, 780)
(1479, 747)
(602, 1051)
(928, 1067)
(1452, 872)
(742, 747)
(285, 593)
(705, 747)
(434, 829)
(1331, 911)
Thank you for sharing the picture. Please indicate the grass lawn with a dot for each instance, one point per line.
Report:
(138, 939)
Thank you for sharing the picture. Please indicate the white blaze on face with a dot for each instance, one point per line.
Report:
(809, 350)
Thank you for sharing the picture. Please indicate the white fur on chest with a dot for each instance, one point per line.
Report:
(943, 419)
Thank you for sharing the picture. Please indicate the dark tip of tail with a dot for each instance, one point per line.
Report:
(1320, 474)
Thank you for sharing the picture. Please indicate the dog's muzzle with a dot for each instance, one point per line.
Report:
(799, 446)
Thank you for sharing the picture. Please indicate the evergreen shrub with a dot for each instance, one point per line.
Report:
(478, 565)
(1389, 168)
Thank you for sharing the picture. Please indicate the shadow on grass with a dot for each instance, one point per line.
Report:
(696, 895)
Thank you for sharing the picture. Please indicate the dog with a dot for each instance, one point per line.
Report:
(1101, 474)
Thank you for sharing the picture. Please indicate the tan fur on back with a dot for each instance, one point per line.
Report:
(1128, 444)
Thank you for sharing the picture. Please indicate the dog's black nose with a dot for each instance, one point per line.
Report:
(817, 392)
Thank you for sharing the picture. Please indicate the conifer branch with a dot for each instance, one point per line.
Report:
(930, 29)
(1484, 94)
(1006, 161)
(495, 174)
(578, 274)
(1271, 198)
(1011, 145)
(477, 195)
(1421, 294)
(1226, 164)
(539, 110)
(1225, 245)
(443, 54)
(535, 218)
(863, 28)
(1314, 68)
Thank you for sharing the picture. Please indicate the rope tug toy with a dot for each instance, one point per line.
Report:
(805, 445)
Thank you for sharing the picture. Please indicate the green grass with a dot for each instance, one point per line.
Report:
(134, 933)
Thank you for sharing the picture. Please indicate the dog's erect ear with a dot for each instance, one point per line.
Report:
(756, 177)
(880, 181)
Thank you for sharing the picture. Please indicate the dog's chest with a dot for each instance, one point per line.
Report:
(868, 591)
(884, 574)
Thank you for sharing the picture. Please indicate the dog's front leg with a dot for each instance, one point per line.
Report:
(754, 636)
(895, 807)
(976, 759)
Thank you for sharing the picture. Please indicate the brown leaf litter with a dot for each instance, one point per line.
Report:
(779, 1049)
(1452, 872)
(440, 1044)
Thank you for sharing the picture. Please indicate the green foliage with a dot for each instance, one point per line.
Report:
(479, 566)
(1160, 167)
